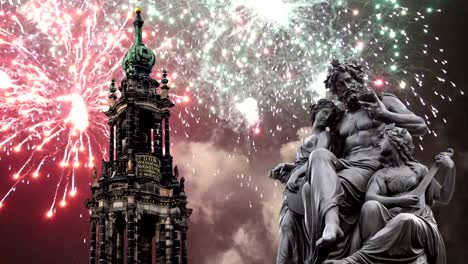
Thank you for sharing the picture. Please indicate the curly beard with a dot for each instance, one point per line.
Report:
(351, 97)
(351, 102)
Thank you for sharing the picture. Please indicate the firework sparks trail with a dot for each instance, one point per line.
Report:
(232, 60)
(53, 78)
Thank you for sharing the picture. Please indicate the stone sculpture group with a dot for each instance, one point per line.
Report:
(355, 193)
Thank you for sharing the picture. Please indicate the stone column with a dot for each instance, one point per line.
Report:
(119, 139)
(176, 252)
(111, 249)
(138, 242)
(167, 143)
(131, 237)
(160, 243)
(138, 139)
(157, 137)
(120, 134)
(130, 128)
(111, 142)
(168, 236)
(92, 242)
(131, 145)
(102, 240)
(184, 244)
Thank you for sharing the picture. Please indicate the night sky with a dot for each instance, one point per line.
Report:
(230, 224)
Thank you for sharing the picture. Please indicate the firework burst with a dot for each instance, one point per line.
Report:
(239, 61)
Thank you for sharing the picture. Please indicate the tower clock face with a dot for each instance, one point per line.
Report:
(148, 166)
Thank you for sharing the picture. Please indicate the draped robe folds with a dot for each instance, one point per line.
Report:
(405, 237)
(336, 182)
(293, 245)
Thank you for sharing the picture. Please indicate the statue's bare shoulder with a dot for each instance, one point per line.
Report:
(420, 169)
(394, 104)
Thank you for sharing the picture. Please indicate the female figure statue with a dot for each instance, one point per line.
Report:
(396, 223)
(293, 243)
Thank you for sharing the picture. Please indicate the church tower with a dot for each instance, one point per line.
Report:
(138, 210)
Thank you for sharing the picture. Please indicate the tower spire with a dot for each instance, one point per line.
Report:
(138, 24)
(138, 8)
(139, 60)
(138, 209)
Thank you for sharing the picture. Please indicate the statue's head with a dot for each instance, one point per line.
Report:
(324, 113)
(397, 143)
(346, 81)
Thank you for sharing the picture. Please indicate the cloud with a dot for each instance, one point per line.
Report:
(231, 256)
(235, 205)
(288, 150)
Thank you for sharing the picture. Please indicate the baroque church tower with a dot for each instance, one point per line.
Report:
(138, 204)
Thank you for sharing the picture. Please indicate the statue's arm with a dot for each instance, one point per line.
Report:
(324, 140)
(391, 110)
(396, 112)
(282, 172)
(377, 191)
(445, 192)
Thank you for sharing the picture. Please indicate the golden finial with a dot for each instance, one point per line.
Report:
(138, 8)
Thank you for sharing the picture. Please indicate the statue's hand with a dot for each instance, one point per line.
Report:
(375, 109)
(279, 171)
(444, 159)
(409, 201)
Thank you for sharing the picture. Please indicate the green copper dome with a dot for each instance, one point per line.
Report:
(139, 59)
